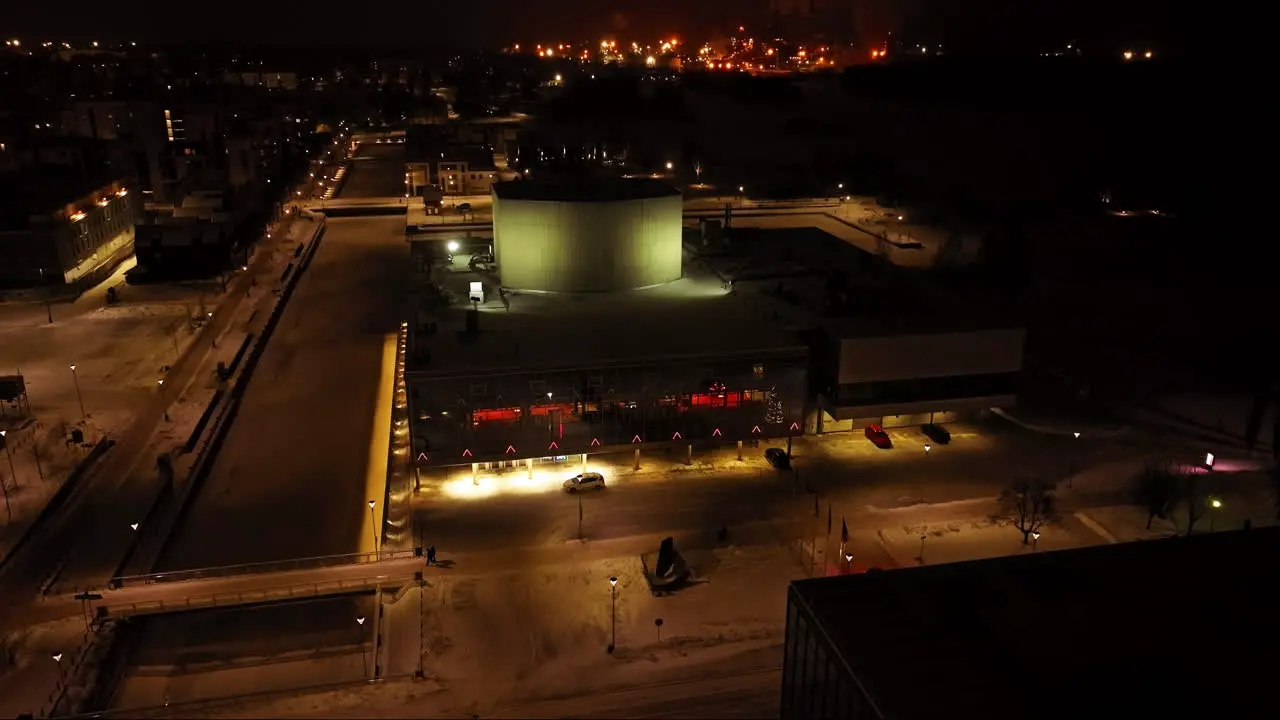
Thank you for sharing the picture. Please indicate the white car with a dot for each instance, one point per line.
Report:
(584, 481)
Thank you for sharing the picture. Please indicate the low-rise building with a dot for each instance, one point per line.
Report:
(200, 236)
(61, 229)
(500, 370)
(888, 347)
(435, 157)
(1092, 632)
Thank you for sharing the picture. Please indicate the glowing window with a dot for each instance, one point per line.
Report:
(758, 370)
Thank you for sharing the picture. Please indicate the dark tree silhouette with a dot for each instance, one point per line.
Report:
(1158, 489)
(1029, 504)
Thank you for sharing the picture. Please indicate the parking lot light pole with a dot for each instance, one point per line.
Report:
(373, 527)
(1035, 540)
(79, 398)
(613, 614)
(9, 451)
(364, 654)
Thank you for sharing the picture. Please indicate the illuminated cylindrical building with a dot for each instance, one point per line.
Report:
(586, 236)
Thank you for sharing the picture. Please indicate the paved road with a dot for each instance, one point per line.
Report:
(289, 481)
(377, 170)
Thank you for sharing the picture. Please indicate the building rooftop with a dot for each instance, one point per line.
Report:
(1139, 629)
(811, 279)
(584, 189)
(41, 191)
(692, 317)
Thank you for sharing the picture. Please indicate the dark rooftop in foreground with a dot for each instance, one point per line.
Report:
(584, 189)
(810, 278)
(42, 191)
(1180, 627)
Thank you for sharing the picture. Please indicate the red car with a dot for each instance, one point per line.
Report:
(878, 437)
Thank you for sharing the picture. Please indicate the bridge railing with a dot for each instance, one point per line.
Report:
(263, 568)
(275, 593)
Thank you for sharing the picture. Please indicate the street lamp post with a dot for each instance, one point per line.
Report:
(1035, 540)
(848, 562)
(373, 526)
(48, 307)
(165, 405)
(1214, 506)
(1071, 471)
(79, 398)
(364, 654)
(4, 440)
(613, 614)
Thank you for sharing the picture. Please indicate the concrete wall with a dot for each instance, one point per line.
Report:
(880, 359)
(587, 246)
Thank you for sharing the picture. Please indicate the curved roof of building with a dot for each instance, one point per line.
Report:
(584, 189)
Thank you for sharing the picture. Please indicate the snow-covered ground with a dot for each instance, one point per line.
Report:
(507, 639)
(119, 352)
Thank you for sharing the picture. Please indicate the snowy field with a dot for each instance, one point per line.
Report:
(119, 352)
(502, 641)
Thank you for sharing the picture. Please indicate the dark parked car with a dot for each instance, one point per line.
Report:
(878, 437)
(777, 457)
(936, 433)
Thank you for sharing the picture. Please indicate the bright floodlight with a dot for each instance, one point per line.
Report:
(927, 447)
(1216, 503)
(453, 246)
(613, 581)
(669, 166)
(133, 526)
(371, 504)
(1076, 434)
(360, 619)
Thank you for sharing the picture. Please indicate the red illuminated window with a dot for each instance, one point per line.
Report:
(479, 416)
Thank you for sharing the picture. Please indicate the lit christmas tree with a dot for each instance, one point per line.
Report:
(773, 407)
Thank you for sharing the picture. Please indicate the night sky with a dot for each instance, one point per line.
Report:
(434, 23)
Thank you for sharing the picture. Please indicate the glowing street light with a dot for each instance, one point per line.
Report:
(927, 447)
(453, 246)
(669, 166)
(1035, 540)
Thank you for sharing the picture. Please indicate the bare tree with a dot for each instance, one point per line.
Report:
(1158, 489)
(1029, 504)
(1194, 496)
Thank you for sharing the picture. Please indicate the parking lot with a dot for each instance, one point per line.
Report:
(521, 507)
